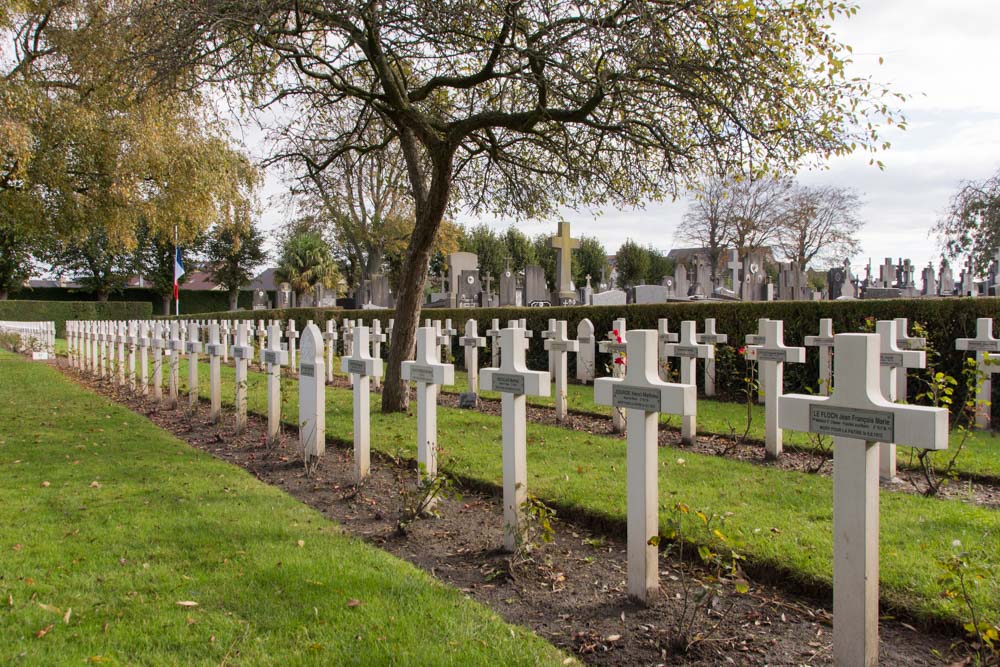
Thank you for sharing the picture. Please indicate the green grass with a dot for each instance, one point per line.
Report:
(784, 518)
(165, 523)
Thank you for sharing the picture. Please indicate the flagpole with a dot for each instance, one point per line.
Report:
(177, 291)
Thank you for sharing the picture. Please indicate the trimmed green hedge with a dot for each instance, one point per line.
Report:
(192, 301)
(944, 319)
(60, 311)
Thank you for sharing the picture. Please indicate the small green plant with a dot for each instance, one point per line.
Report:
(701, 591)
(537, 529)
(747, 392)
(962, 574)
(422, 499)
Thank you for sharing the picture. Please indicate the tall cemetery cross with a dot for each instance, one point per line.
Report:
(132, 341)
(428, 372)
(983, 344)
(565, 247)
(585, 351)
(471, 342)
(274, 357)
(214, 349)
(824, 341)
(771, 356)
(377, 338)
(644, 395)
(513, 380)
(617, 352)
(689, 351)
(905, 342)
(193, 348)
(892, 361)
(242, 352)
(494, 333)
(157, 345)
(176, 345)
(120, 335)
(293, 337)
(312, 396)
(361, 366)
(558, 344)
(330, 336)
(664, 337)
(713, 338)
(859, 417)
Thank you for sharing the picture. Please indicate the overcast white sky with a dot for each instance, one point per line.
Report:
(943, 54)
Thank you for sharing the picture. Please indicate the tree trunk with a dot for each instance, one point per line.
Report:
(102, 296)
(409, 299)
(234, 299)
(3, 294)
(166, 303)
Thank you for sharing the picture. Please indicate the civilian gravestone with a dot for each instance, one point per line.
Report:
(711, 337)
(984, 344)
(241, 357)
(558, 344)
(892, 361)
(824, 341)
(564, 246)
(611, 297)
(513, 380)
(615, 346)
(585, 351)
(312, 396)
(193, 348)
(457, 263)
(215, 350)
(689, 350)
(536, 292)
(859, 417)
(471, 343)
(771, 356)
(947, 280)
(274, 358)
(429, 373)
(644, 395)
(929, 283)
(361, 366)
(508, 287)
(469, 289)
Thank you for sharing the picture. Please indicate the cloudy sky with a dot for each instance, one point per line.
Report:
(937, 52)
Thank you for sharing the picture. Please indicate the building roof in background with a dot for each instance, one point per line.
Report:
(200, 281)
(52, 282)
(265, 280)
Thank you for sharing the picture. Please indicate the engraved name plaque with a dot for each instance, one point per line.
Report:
(870, 425)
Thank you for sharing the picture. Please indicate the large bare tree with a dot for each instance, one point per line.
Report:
(820, 223)
(519, 107)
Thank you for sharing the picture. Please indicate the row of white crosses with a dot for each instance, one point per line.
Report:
(38, 338)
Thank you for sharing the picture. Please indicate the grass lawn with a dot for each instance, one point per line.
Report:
(107, 522)
(783, 518)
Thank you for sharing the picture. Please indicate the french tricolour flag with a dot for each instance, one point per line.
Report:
(178, 272)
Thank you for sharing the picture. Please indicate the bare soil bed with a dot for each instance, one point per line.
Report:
(570, 590)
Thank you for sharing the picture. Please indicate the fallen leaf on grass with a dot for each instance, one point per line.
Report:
(301, 543)
(16, 547)
(48, 607)
(95, 484)
(69, 612)
(44, 631)
(46, 485)
(186, 603)
(353, 603)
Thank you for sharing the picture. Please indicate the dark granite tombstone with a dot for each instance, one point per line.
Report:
(836, 278)
(508, 287)
(536, 292)
(930, 284)
(946, 286)
(469, 289)
(681, 284)
(260, 300)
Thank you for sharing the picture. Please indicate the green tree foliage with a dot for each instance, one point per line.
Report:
(488, 246)
(632, 264)
(233, 252)
(97, 261)
(971, 225)
(589, 259)
(659, 266)
(306, 261)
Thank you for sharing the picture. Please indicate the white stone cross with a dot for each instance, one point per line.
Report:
(224, 330)
(472, 341)
(514, 381)
(330, 336)
(347, 334)
(758, 339)
(549, 332)
(713, 338)
(689, 350)
(892, 361)
(261, 335)
(274, 357)
(905, 342)
(585, 351)
(215, 350)
(143, 342)
(157, 343)
(120, 338)
(644, 395)
(361, 366)
(772, 356)
(494, 333)
(663, 338)
(558, 344)
(193, 348)
(858, 417)
(132, 341)
(102, 354)
(618, 359)
(242, 352)
(176, 346)
(293, 337)
(983, 345)
(824, 341)
(377, 338)
(312, 396)
(429, 373)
